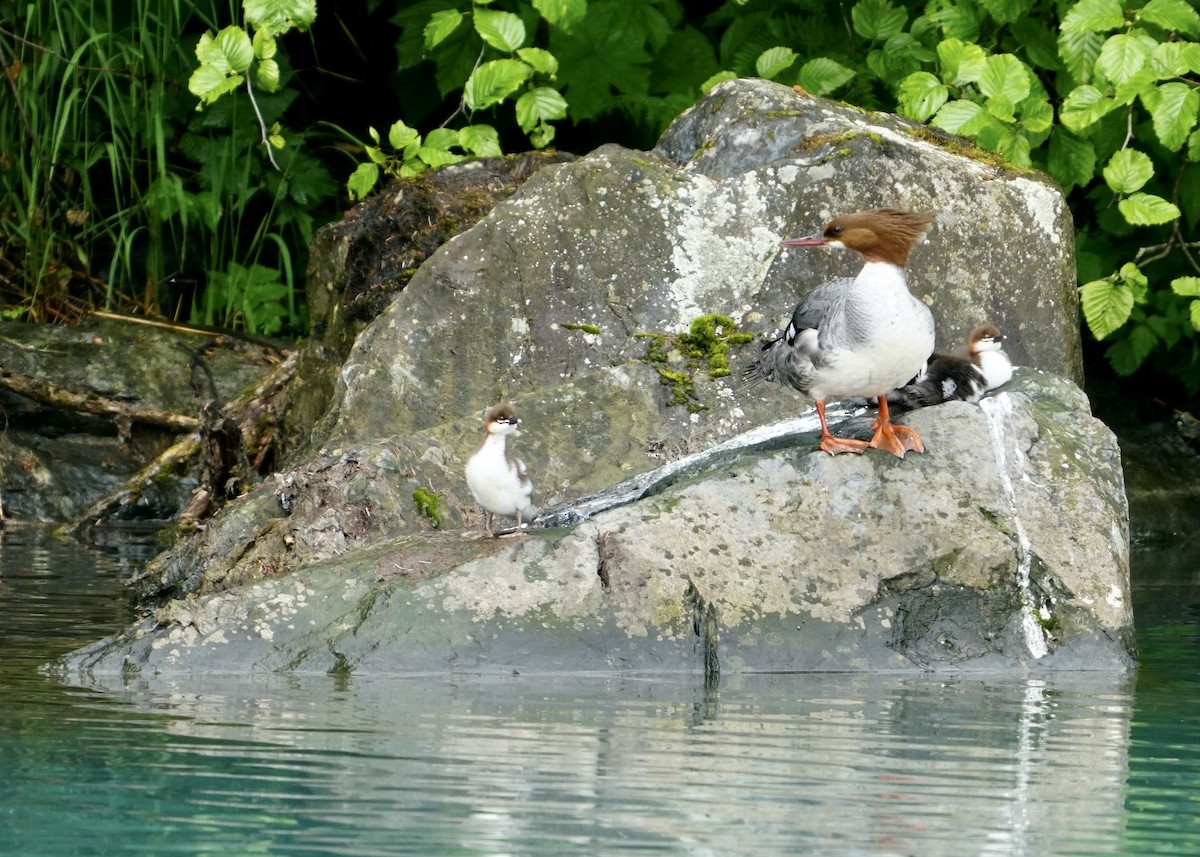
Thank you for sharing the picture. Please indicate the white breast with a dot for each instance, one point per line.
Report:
(996, 368)
(497, 484)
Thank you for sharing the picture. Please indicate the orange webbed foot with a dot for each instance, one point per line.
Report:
(896, 439)
(838, 445)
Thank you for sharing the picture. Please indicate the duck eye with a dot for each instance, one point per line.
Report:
(833, 231)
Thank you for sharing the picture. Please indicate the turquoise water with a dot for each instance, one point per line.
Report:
(1078, 764)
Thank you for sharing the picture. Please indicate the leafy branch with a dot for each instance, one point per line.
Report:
(504, 66)
(227, 57)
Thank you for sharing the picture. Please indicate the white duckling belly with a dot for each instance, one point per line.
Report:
(496, 485)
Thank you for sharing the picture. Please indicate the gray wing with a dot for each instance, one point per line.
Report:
(782, 363)
(811, 311)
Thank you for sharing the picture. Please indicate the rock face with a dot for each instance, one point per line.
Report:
(588, 298)
(751, 559)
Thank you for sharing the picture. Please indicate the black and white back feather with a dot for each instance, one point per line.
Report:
(955, 377)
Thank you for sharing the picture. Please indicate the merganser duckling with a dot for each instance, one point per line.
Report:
(863, 336)
(950, 377)
(500, 482)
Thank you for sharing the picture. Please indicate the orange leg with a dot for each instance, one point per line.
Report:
(896, 439)
(836, 445)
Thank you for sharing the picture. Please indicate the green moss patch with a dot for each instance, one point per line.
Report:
(677, 357)
(427, 504)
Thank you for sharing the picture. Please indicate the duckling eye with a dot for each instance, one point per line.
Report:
(833, 231)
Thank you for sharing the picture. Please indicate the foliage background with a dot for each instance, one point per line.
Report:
(118, 192)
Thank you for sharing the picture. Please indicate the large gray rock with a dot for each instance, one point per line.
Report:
(629, 242)
(547, 301)
(744, 559)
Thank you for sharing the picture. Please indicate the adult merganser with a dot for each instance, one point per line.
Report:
(863, 336)
(950, 377)
(500, 482)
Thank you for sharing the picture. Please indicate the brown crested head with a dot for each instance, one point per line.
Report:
(879, 234)
(502, 413)
(985, 335)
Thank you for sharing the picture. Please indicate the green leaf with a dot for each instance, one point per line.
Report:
(1094, 16)
(1174, 108)
(1146, 209)
(1038, 43)
(719, 77)
(1193, 147)
(542, 136)
(921, 95)
(1132, 275)
(540, 60)
(1079, 51)
(605, 60)
(1127, 354)
(877, 20)
(400, 136)
(480, 140)
(230, 51)
(1140, 83)
(441, 25)
(1172, 15)
(1007, 11)
(561, 13)
(1188, 287)
(208, 83)
(1128, 170)
(1036, 115)
(1175, 59)
(362, 180)
(1014, 146)
(376, 155)
(774, 61)
(1194, 314)
(1005, 76)
(961, 62)
(1106, 306)
(504, 31)
(956, 20)
(539, 105)
(494, 81)
(279, 16)
(961, 117)
(1070, 160)
(441, 138)
(897, 59)
(264, 45)
(822, 76)
(1083, 107)
(1123, 56)
(437, 157)
(267, 75)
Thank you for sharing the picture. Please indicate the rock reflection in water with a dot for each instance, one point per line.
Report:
(786, 764)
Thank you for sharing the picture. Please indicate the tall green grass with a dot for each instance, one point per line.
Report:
(116, 193)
